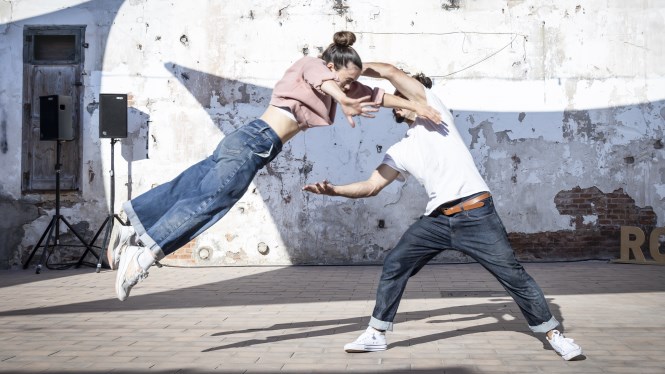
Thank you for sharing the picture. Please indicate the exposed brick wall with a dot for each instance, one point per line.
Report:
(597, 238)
(182, 257)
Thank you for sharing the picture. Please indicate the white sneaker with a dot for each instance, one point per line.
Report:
(564, 346)
(120, 238)
(129, 272)
(369, 341)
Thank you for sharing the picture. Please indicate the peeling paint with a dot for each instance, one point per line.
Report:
(578, 123)
(340, 7)
(450, 4)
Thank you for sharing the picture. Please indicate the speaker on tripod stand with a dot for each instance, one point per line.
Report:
(55, 124)
(113, 125)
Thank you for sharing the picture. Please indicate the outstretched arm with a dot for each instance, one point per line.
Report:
(351, 107)
(421, 109)
(381, 177)
(406, 85)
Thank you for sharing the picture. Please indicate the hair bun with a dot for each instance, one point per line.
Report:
(422, 78)
(344, 38)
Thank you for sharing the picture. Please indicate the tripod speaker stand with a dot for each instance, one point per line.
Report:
(52, 232)
(55, 123)
(110, 219)
(113, 125)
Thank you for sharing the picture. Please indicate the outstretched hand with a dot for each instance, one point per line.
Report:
(362, 106)
(321, 188)
(429, 113)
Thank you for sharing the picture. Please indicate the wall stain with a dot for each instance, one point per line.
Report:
(234, 257)
(4, 147)
(340, 7)
(516, 162)
(91, 172)
(450, 4)
(90, 108)
(184, 40)
(306, 169)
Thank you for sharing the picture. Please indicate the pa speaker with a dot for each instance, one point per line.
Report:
(55, 118)
(112, 115)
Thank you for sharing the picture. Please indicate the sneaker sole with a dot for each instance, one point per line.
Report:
(120, 277)
(367, 348)
(113, 240)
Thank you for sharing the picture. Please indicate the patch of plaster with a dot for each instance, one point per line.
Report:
(660, 190)
(589, 219)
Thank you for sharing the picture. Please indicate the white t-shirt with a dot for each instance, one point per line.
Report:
(437, 157)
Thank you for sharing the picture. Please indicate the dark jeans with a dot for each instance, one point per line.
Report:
(171, 214)
(478, 233)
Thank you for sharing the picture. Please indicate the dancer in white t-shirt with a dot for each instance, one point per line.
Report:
(460, 215)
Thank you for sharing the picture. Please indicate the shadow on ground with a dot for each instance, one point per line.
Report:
(304, 284)
(501, 310)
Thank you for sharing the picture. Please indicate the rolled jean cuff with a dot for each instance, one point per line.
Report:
(143, 236)
(380, 325)
(545, 326)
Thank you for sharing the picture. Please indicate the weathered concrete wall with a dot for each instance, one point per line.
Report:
(562, 106)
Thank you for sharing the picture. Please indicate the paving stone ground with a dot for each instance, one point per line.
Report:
(453, 319)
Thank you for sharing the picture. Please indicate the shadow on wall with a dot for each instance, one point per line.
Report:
(590, 238)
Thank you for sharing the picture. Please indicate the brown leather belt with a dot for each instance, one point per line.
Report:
(472, 203)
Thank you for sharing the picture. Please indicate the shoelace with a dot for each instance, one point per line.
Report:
(565, 343)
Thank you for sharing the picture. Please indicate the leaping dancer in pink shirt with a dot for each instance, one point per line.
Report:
(172, 214)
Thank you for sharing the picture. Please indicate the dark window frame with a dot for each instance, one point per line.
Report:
(30, 33)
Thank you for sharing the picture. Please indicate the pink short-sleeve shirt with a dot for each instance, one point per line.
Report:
(300, 91)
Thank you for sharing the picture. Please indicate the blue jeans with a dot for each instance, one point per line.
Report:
(172, 214)
(480, 234)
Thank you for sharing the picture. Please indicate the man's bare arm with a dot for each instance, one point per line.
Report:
(421, 109)
(406, 85)
(381, 177)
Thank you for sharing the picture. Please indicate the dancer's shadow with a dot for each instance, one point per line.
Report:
(501, 310)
